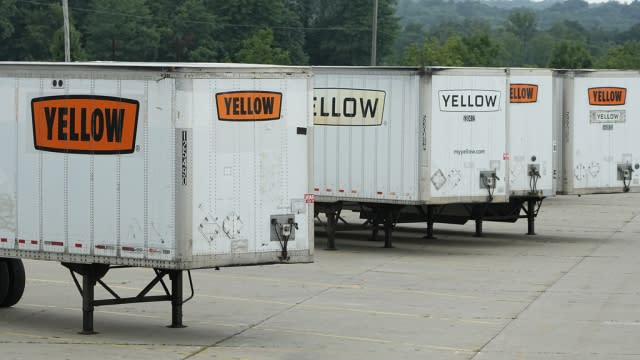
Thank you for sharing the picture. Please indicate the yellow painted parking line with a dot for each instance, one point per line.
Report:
(365, 339)
(318, 307)
(79, 341)
(335, 286)
(126, 314)
(348, 309)
(349, 286)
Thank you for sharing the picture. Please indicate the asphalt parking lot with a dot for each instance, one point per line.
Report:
(570, 292)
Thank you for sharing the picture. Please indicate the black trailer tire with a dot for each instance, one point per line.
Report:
(4, 279)
(16, 282)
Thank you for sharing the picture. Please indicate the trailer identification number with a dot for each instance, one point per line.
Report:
(184, 160)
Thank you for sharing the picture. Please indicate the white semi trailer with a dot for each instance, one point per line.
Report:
(167, 166)
(432, 144)
(600, 120)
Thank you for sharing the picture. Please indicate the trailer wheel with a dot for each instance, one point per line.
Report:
(16, 282)
(4, 280)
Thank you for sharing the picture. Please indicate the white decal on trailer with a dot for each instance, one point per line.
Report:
(348, 107)
(469, 100)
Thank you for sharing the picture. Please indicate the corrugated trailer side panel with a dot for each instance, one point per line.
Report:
(557, 143)
(8, 162)
(360, 155)
(86, 204)
(531, 131)
(246, 171)
(467, 135)
(601, 120)
(174, 185)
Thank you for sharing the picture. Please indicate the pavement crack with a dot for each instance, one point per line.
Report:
(562, 275)
(253, 326)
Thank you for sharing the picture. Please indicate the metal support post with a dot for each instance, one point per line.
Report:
(176, 299)
(478, 228)
(388, 227)
(88, 296)
(429, 223)
(531, 216)
(330, 228)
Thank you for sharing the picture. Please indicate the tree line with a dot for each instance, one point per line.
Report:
(316, 32)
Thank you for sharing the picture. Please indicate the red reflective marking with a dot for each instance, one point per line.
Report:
(57, 243)
(379, 193)
(3, 240)
(34, 242)
(22, 241)
(128, 248)
(341, 190)
(101, 247)
(78, 245)
(327, 190)
(316, 189)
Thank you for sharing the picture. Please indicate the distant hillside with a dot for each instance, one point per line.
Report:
(606, 16)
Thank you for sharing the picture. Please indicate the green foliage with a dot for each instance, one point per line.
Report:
(570, 55)
(475, 50)
(625, 56)
(35, 28)
(341, 32)
(522, 23)
(259, 49)
(7, 10)
(242, 18)
(480, 50)
(569, 33)
(120, 30)
(56, 49)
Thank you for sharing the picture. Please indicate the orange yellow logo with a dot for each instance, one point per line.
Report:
(523, 93)
(249, 105)
(84, 124)
(607, 96)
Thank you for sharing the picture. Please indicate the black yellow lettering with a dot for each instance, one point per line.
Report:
(346, 103)
(73, 135)
(97, 124)
(267, 104)
(227, 104)
(322, 111)
(491, 100)
(115, 124)
(62, 123)
(84, 135)
(257, 106)
(368, 107)
(50, 116)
